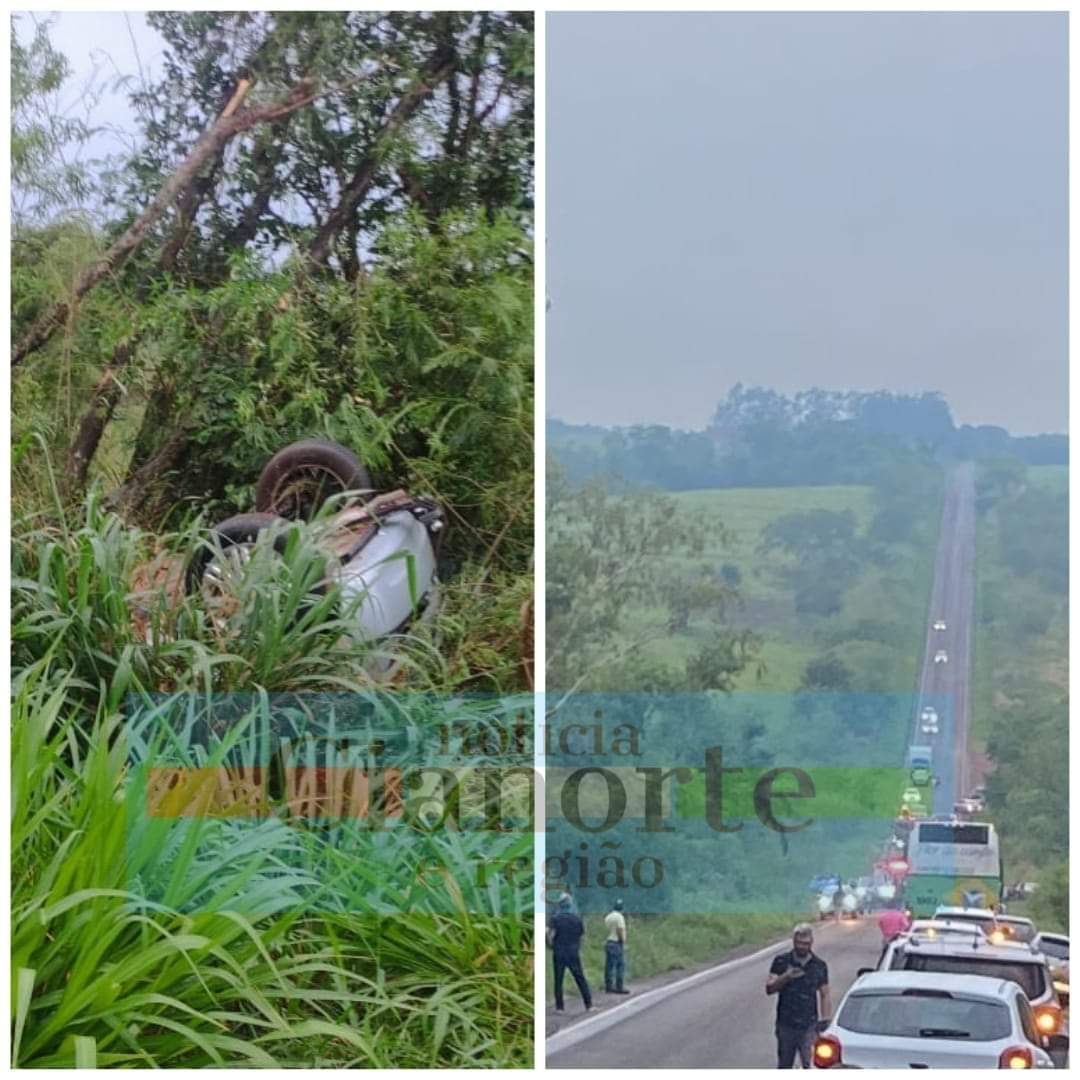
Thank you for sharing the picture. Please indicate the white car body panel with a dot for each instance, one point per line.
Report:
(379, 574)
(869, 1050)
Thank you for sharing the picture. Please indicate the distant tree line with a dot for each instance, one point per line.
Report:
(760, 438)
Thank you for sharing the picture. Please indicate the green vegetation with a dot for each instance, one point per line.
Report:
(642, 585)
(1053, 477)
(346, 253)
(760, 438)
(1021, 679)
(873, 634)
(657, 944)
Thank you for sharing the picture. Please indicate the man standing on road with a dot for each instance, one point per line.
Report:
(565, 931)
(801, 981)
(615, 950)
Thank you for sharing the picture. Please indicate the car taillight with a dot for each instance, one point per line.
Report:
(1016, 1057)
(827, 1052)
(1048, 1019)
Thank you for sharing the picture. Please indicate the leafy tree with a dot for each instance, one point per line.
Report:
(387, 122)
(998, 479)
(719, 662)
(47, 177)
(1051, 904)
(700, 593)
(759, 437)
(826, 674)
(605, 559)
(922, 418)
(1034, 538)
(811, 534)
(731, 575)
(828, 553)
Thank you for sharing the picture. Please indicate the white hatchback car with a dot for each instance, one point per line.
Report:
(941, 657)
(920, 1020)
(946, 928)
(939, 624)
(1017, 928)
(1021, 964)
(1055, 947)
(983, 917)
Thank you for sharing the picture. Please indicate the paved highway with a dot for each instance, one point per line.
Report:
(727, 1021)
(946, 686)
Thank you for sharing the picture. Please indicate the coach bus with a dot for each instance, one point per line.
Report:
(952, 864)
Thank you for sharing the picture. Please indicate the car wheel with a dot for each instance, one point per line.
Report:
(238, 533)
(298, 479)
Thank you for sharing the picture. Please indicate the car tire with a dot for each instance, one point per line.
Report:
(299, 478)
(239, 529)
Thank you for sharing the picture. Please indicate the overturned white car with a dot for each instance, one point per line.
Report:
(380, 550)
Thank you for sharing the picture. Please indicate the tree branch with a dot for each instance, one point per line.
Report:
(364, 176)
(230, 123)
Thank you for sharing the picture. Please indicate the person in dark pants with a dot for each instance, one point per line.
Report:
(565, 931)
(800, 979)
(615, 950)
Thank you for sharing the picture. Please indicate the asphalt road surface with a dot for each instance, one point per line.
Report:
(727, 1021)
(946, 685)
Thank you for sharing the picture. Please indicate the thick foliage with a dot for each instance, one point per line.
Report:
(205, 956)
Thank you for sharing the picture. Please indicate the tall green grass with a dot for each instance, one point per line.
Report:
(127, 952)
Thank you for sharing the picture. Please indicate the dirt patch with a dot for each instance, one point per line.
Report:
(982, 765)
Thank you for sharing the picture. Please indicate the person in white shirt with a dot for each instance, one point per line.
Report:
(615, 950)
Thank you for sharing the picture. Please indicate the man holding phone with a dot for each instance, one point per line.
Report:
(800, 979)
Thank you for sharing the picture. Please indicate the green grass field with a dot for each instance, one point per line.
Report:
(741, 516)
(878, 634)
(659, 944)
(1052, 477)
(745, 513)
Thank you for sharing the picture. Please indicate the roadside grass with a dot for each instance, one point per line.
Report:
(1021, 686)
(226, 943)
(890, 599)
(1004, 654)
(987, 577)
(663, 944)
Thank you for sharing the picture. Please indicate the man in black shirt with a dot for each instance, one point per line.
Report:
(801, 980)
(565, 931)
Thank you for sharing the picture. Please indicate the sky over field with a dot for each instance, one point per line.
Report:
(846, 200)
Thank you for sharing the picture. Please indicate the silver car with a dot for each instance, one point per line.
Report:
(923, 1020)
(380, 550)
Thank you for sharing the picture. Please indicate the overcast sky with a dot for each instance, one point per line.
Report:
(841, 200)
(100, 46)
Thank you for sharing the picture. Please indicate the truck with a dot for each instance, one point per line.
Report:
(919, 764)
